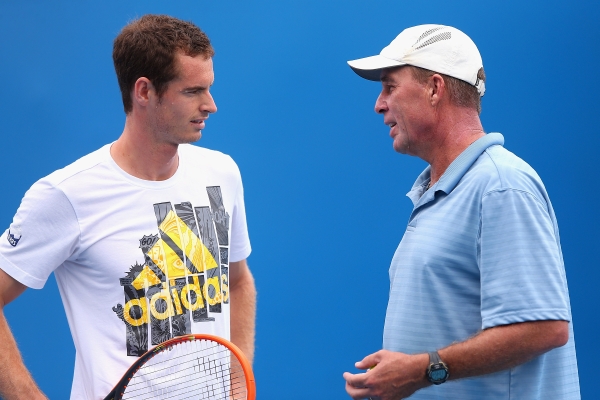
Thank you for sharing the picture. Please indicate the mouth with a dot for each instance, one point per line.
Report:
(198, 123)
(391, 125)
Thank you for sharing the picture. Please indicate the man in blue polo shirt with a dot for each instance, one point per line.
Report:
(479, 306)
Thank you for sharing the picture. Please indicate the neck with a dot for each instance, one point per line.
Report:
(139, 155)
(453, 136)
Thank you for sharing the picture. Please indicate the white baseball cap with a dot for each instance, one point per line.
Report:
(438, 48)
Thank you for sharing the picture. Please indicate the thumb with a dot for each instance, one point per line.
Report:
(368, 362)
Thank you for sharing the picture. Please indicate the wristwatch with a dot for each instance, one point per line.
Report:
(437, 371)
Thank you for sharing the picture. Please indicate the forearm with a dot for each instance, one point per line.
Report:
(243, 310)
(393, 375)
(503, 347)
(15, 380)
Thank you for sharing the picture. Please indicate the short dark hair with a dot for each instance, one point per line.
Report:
(147, 46)
(462, 93)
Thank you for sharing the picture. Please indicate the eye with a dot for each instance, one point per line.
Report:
(193, 91)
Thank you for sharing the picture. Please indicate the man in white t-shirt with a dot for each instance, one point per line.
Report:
(146, 236)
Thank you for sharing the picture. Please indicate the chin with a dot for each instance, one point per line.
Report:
(401, 145)
(399, 148)
(192, 138)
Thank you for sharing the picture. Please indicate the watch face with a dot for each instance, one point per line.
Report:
(438, 374)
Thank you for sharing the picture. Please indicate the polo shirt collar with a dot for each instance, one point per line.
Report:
(454, 173)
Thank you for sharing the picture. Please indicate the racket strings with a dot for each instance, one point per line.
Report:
(210, 386)
(217, 378)
(198, 369)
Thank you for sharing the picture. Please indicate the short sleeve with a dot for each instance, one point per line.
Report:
(44, 233)
(240, 241)
(521, 266)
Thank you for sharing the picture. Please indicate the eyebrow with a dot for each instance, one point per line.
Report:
(385, 77)
(195, 88)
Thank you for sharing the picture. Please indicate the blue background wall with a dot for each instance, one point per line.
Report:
(324, 189)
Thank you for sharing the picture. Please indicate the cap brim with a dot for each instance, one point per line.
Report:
(370, 67)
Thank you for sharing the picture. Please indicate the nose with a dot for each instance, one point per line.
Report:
(380, 105)
(210, 106)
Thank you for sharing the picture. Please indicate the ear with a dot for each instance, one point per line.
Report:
(437, 88)
(142, 91)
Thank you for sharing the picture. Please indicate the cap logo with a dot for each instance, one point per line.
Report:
(436, 38)
(428, 32)
(14, 236)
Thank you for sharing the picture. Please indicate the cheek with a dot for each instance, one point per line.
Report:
(176, 112)
(187, 108)
(415, 114)
(402, 115)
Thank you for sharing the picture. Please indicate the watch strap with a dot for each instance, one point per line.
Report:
(434, 357)
(437, 372)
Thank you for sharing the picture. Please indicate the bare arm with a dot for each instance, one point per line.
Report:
(399, 375)
(243, 307)
(15, 380)
(505, 346)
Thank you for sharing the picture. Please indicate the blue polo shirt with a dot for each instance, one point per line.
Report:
(482, 249)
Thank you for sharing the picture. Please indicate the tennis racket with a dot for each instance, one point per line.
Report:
(189, 367)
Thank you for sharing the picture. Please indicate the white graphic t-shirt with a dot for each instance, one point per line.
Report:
(137, 262)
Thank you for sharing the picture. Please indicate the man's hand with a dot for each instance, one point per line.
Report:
(390, 376)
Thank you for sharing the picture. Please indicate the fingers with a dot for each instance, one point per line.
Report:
(359, 391)
(369, 361)
(355, 380)
(356, 384)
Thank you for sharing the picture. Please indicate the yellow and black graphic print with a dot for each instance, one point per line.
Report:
(184, 278)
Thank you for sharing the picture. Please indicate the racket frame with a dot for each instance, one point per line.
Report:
(119, 389)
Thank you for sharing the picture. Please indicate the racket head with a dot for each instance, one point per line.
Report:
(191, 366)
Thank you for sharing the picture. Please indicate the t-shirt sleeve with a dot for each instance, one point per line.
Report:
(43, 234)
(521, 266)
(240, 241)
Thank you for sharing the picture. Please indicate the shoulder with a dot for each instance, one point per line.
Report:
(211, 160)
(190, 150)
(499, 169)
(53, 194)
(77, 168)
